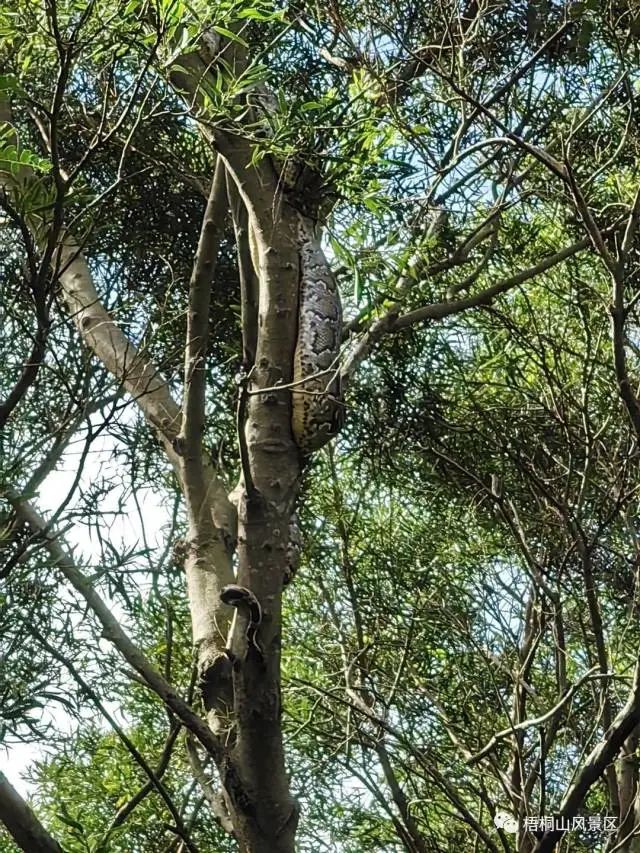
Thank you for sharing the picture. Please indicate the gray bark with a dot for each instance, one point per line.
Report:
(22, 824)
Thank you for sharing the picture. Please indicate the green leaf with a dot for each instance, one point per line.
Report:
(258, 15)
(223, 31)
(9, 83)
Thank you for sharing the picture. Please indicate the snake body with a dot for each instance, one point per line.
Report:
(317, 409)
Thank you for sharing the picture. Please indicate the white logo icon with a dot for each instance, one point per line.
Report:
(503, 820)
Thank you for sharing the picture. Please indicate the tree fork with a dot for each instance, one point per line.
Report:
(255, 776)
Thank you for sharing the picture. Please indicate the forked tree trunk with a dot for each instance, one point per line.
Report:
(264, 813)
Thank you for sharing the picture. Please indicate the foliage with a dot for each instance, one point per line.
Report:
(471, 550)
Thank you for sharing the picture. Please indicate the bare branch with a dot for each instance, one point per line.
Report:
(597, 762)
(112, 630)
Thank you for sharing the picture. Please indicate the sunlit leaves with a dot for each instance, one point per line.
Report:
(16, 159)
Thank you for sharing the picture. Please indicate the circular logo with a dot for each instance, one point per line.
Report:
(503, 820)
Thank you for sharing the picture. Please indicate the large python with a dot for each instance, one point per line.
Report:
(317, 411)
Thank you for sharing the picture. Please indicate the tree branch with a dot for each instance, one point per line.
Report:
(207, 572)
(154, 780)
(393, 320)
(536, 721)
(112, 630)
(22, 824)
(248, 277)
(596, 763)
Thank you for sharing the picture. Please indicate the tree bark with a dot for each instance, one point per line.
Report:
(254, 774)
(627, 839)
(22, 824)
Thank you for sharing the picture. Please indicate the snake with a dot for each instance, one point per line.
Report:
(317, 410)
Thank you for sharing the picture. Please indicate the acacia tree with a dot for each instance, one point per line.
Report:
(239, 166)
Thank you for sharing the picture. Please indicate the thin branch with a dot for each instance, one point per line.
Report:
(597, 762)
(248, 277)
(123, 813)
(214, 798)
(619, 311)
(189, 442)
(393, 320)
(112, 630)
(536, 721)
(140, 760)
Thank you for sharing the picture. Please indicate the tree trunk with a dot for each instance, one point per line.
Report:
(264, 813)
(627, 838)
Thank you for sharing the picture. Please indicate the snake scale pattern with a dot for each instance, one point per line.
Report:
(317, 409)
